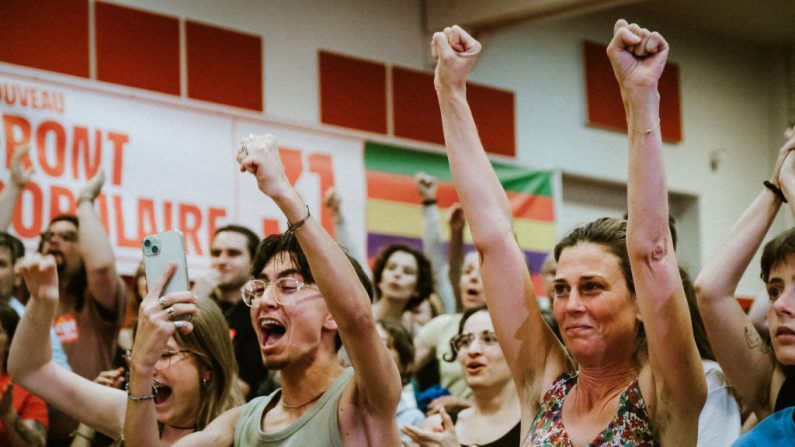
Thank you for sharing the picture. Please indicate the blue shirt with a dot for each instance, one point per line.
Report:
(778, 429)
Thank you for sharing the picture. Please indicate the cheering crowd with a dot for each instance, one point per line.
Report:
(427, 349)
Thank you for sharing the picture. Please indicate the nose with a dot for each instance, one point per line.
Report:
(573, 303)
(785, 304)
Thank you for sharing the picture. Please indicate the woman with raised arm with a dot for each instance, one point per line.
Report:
(758, 374)
(627, 388)
(183, 373)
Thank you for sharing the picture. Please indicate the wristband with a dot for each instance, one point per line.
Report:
(776, 190)
(292, 227)
(429, 202)
(133, 397)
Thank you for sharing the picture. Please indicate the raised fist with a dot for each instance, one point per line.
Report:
(637, 55)
(455, 52)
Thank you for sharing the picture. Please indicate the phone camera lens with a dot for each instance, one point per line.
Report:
(154, 249)
(147, 242)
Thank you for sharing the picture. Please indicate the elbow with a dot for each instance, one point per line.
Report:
(705, 290)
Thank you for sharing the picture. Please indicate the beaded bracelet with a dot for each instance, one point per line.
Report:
(137, 398)
(776, 190)
(292, 227)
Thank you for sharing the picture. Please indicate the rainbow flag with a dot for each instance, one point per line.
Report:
(394, 208)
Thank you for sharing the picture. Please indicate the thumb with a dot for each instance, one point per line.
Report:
(447, 421)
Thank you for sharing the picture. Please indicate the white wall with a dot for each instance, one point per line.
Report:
(731, 92)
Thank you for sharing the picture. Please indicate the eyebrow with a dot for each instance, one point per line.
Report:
(282, 274)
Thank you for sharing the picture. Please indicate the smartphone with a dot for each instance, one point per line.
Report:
(160, 250)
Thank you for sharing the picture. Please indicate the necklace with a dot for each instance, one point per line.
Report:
(281, 402)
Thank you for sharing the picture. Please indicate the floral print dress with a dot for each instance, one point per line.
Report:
(630, 427)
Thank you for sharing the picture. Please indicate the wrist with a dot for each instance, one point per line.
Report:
(85, 199)
(428, 202)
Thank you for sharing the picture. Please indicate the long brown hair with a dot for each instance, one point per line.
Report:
(211, 343)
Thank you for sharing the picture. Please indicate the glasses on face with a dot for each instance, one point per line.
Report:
(461, 341)
(169, 358)
(285, 293)
(66, 236)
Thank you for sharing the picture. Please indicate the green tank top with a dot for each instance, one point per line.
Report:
(318, 426)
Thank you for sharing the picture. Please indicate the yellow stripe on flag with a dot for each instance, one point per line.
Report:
(402, 219)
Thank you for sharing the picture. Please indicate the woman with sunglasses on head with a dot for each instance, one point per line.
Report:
(183, 372)
(618, 300)
(494, 418)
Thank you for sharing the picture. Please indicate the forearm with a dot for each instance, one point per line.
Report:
(455, 259)
(722, 272)
(140, 422)
(342, 233)
(31, 348)
(432, 246)
(23, 433)
(8, 199)
(482, 197)
(647, 194)
(98, 257)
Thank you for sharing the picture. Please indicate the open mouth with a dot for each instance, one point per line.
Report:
(161, 392)
(475, 367)
(272, 331)
(473, 293)
(784, 331)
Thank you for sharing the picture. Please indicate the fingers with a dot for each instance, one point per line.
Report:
(447, 421)
(161, 283)
(184, 327)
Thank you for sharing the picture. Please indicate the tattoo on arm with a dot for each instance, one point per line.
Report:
(753, 340)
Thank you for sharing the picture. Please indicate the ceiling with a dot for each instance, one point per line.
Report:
(760, 21)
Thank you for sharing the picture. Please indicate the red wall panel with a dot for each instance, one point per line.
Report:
(224, 66)
(137, 48)
(50, 35)
(415, 109)
(493, 110)
(417, 115)
(605, 107)
(352, 92)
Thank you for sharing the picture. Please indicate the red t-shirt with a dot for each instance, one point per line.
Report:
(27, 406)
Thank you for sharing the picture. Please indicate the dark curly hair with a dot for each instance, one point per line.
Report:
(453, 354)
(424, 273)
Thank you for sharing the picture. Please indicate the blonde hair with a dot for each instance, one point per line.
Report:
(212, 344)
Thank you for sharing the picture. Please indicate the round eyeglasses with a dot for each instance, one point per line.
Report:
(461, 341)
(286, 290)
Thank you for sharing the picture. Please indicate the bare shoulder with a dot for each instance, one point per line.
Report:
(360, 425)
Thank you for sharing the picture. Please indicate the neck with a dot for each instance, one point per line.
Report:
(500, 398)
(388, 307)
(597, 384)
(302, 385)
(230, 294)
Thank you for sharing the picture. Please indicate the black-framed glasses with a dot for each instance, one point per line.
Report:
(461, 341)
(66, 236)
(285, 290)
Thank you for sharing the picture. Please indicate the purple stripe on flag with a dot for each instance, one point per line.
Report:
(377, 241)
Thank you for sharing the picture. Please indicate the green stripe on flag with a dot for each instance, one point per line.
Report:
(407, 162)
